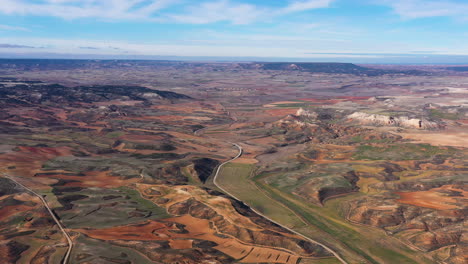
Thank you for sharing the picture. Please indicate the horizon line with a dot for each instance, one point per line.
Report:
(239, 59)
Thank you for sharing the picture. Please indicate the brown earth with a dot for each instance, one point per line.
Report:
(436, 198)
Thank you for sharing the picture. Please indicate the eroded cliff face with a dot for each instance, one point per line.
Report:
(204, 226)
(415, 192)
(202, 168)
(300, 120)
(402, 121)
(225, 222)
(304, 113)
(427, 229)
(307, 126)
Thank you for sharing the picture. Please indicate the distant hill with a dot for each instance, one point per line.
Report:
(315, 67)
(69, 64)
(459, 69)
(55, 93)
(322, 67)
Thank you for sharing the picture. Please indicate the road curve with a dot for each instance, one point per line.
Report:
(271, 220)
(57, 221)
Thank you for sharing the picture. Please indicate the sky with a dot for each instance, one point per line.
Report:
(420, 31)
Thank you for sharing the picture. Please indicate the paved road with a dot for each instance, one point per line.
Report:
(285, 227)
(57, 221)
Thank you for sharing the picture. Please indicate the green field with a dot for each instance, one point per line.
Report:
(401, 152)
(234, 177)
(341, 235)
(97, 211)
(437, 113)
(100, 250)
(324, 224)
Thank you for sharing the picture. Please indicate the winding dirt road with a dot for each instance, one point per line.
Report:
(271, 220)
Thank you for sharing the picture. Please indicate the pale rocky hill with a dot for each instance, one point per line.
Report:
(401, 121)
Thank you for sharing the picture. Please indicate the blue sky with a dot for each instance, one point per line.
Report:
(308, 29)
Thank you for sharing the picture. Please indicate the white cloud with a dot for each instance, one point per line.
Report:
(226, 45)
(224, 10)
(286, 40)
(13, 28)
(412, 9)
(195, 12)
(241, 13)
(298, 6)
(15, 46)
(72, 9)
(65, 46)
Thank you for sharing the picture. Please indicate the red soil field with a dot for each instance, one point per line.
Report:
(435, 198)
(28, 160)
(102, 179)
(281, 112)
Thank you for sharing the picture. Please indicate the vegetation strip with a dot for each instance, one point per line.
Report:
(287, 228)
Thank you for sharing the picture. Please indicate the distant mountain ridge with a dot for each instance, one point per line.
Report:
(314, 67)
(459, 68)
(327, 67)
(56, 93)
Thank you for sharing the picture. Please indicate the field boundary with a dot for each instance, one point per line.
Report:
(266, 217)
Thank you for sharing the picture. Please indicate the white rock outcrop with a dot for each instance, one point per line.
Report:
(401, 121)
(305, 113)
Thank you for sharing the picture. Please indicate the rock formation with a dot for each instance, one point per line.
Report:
(402, 121)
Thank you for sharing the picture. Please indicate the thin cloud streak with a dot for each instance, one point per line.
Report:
(240, 49)
(414, 9)
(13, 28)
(242, 14)
(74, 9)
(299, 6)
(15, 46)
(200, 13)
